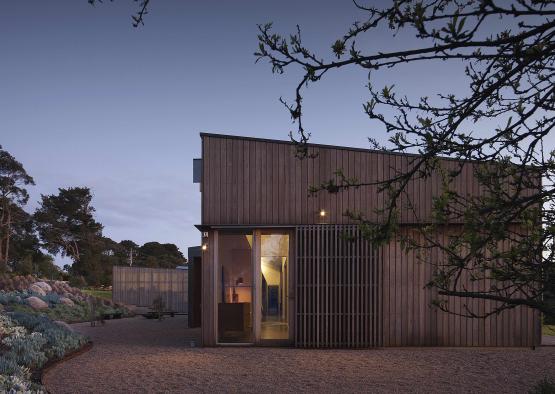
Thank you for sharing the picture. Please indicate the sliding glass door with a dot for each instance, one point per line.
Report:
(235, 288)
(253, 287)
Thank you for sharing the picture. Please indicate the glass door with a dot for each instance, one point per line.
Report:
(274, 271)
(235, 288)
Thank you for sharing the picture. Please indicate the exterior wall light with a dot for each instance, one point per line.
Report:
(204, 247)
(322, 213)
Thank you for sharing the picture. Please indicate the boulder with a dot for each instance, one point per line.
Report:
(43, 285)
(37, 289)
(36, 303)
(66, 301)
(63, 324)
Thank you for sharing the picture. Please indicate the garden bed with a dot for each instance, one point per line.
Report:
(39, 374)
(31, 342)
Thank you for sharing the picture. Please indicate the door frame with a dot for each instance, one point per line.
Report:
(257, 311)
(256, 232)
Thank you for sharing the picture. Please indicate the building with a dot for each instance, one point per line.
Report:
(276, 270)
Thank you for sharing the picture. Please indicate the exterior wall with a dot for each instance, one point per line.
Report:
(348, 296)
(140, 286)
(250, 182)
(410, 320)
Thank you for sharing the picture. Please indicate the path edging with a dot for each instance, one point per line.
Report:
(41, 373)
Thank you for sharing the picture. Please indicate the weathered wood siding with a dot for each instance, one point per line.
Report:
(349, 295)
(140, 286)
(409, 319)
(260, 183)
(249, 181)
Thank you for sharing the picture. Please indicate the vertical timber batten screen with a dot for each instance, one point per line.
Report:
(337, 273)
(140, 286)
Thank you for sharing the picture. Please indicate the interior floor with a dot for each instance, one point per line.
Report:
(274, 330)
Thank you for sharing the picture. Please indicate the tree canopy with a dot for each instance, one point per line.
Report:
(66, 224)
(138, 17)
(503, 120)
(13, 196)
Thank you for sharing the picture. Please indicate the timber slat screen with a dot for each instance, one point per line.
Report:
(140, 286)
(338, 281)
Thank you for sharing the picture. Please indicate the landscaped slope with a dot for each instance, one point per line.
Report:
(56, 299)
(28, 342)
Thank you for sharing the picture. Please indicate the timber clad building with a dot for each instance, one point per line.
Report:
(276, 269)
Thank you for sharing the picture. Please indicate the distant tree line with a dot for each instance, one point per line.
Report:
(64, 224)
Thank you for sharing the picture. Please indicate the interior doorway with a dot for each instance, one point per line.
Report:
(274, 270)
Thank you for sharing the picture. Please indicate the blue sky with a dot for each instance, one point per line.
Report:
(87, 100)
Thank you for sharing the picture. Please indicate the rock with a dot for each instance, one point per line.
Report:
(36, 303)
(63, 324)
(66, 301)
(43, 285)
(37, 289)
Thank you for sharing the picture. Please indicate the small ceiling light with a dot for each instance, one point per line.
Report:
(204, 247)
(322, 213)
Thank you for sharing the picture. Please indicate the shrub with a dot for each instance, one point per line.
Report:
(544, 386)
(17, 384)
(58, 339)
(62, 341)
(158, 305)
(29, 340)
(9, 366)
(51, 298)
(11, 297)
(78, 312)
(77, 281)
(22, 308)
(8, 328)
(26, 350)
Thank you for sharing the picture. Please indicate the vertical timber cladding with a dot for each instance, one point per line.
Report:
(337, 288)
(139, 286)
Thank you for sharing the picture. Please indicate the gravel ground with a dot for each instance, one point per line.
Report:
(139, 356)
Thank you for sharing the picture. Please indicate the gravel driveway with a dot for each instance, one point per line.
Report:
(139, 356)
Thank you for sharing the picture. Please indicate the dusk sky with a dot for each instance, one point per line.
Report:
(87, 100)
